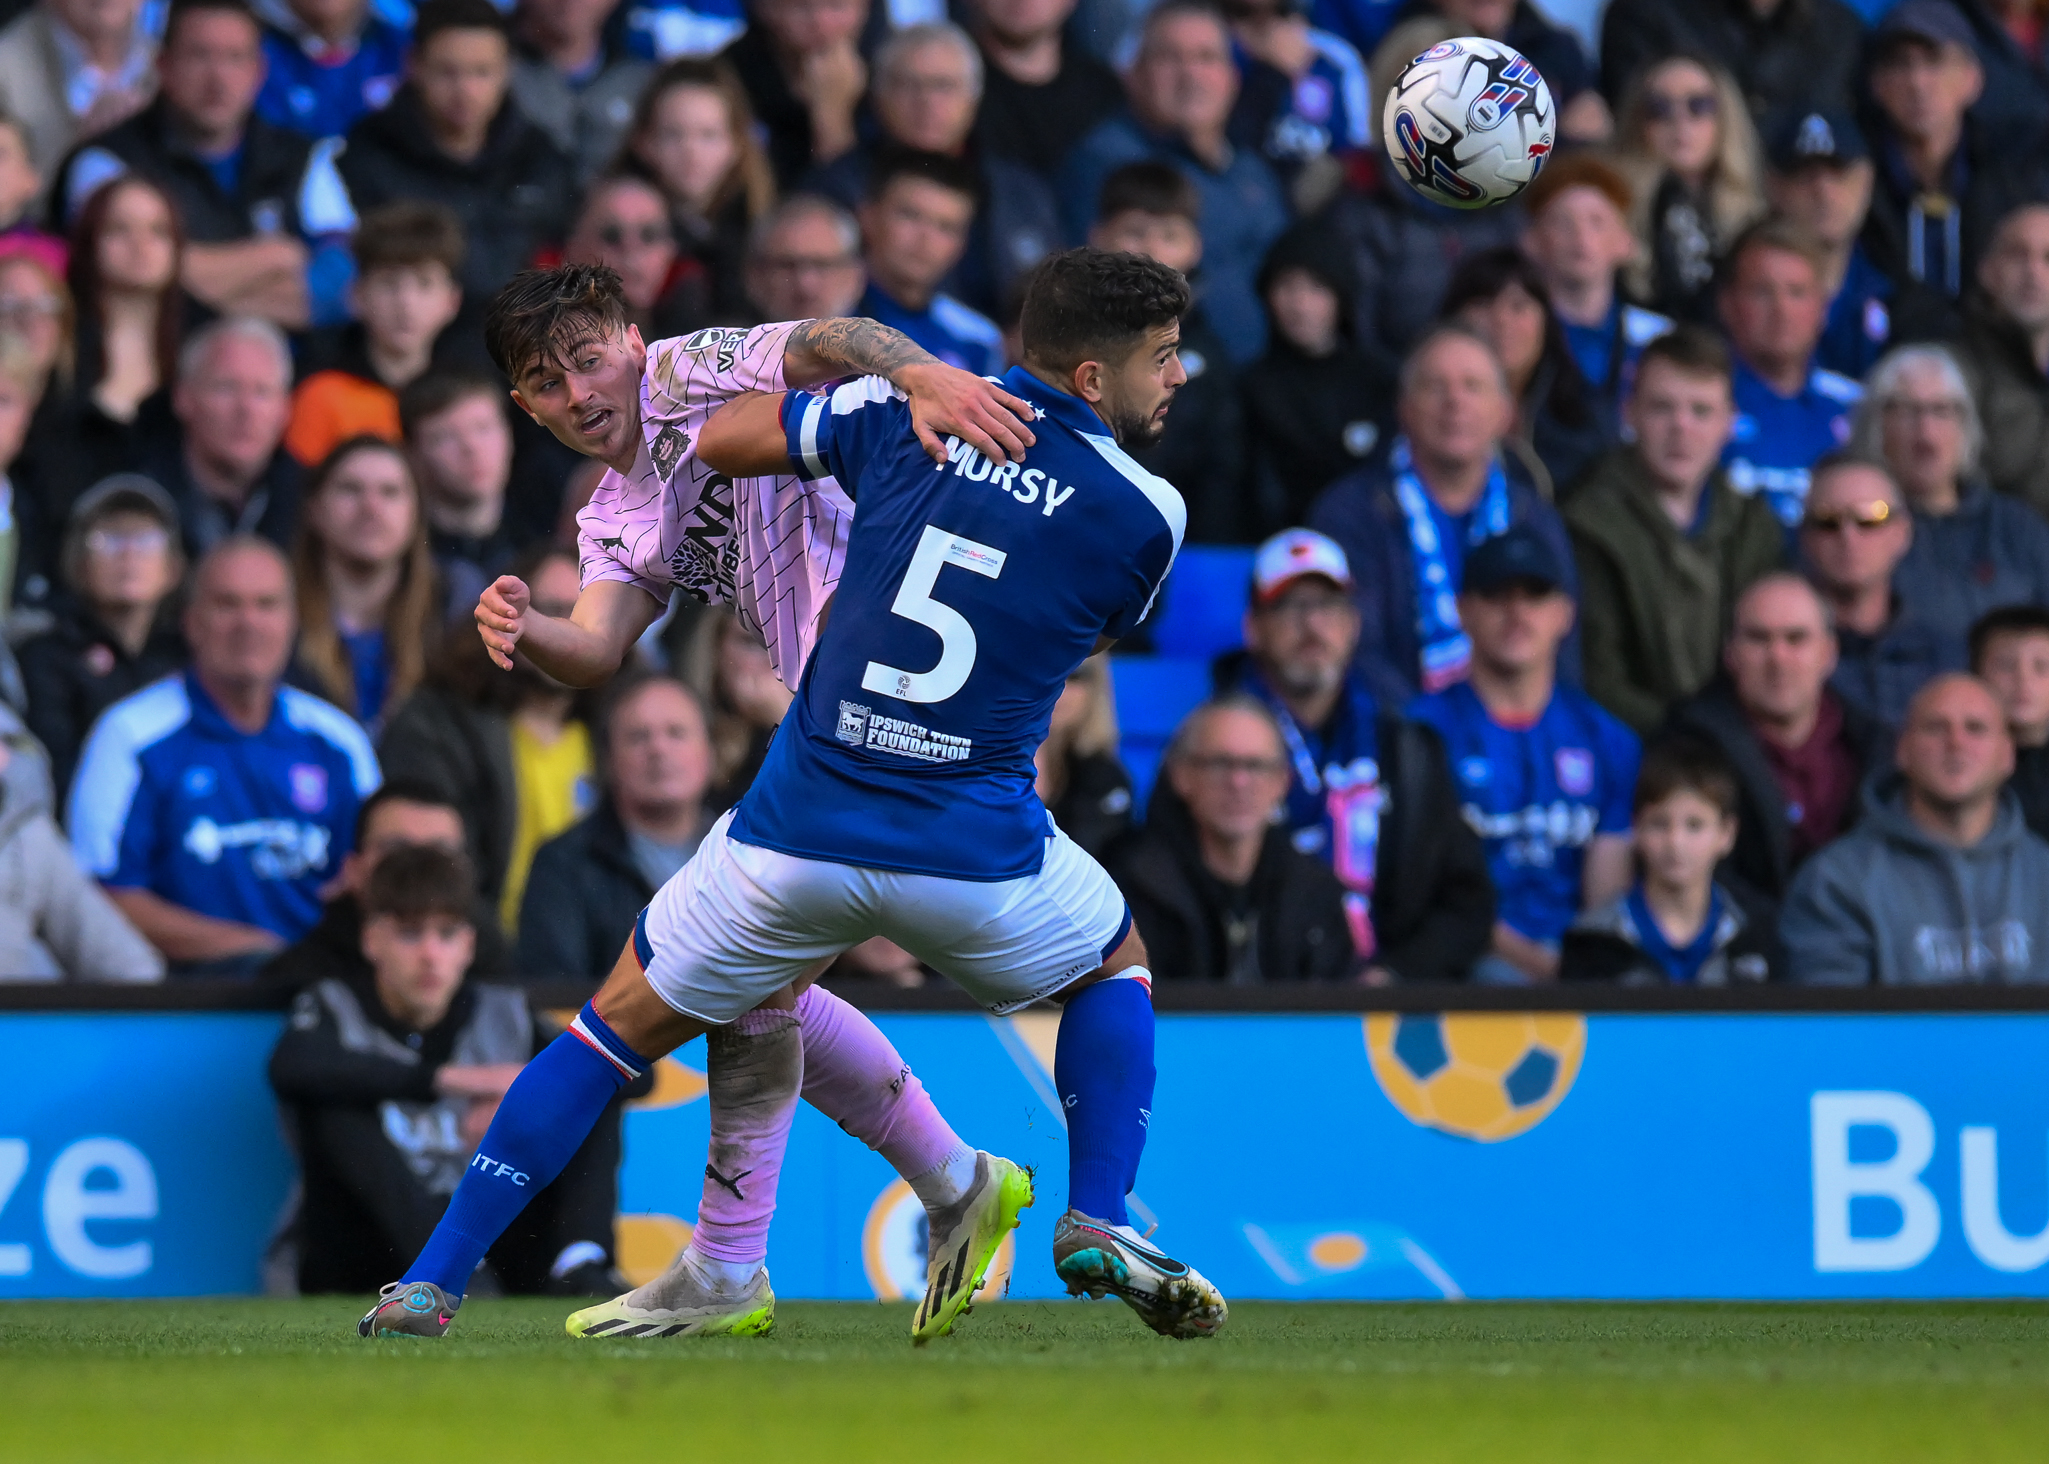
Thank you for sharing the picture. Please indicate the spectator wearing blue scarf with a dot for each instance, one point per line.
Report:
(1677, 925)
(1407, 521)
(1360, 782)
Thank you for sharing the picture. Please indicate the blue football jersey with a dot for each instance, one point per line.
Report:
(1776, 440)
(173, 798)
(1537, 795)
(969, 593)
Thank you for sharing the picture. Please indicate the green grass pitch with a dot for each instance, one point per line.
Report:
(1038, 1383)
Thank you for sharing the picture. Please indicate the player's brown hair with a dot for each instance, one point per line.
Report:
(545, 312)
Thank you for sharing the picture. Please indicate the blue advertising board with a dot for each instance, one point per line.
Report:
(1310, 1156)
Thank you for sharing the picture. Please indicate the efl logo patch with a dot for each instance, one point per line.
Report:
(1575, 771)
(309, 787)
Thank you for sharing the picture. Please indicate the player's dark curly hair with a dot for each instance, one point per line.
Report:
(1095, 305)
(544, 312)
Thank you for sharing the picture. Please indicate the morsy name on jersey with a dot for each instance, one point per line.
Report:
(1026, 485)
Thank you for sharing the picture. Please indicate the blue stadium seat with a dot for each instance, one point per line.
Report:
(1202, 605)
(1153, 694)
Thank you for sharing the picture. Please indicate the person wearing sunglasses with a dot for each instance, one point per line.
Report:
(1974, 550)
(1852, 541)
(625, 224)
(1686, 146)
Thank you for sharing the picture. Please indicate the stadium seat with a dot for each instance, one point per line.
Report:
(1203, 602)
(1153, 694)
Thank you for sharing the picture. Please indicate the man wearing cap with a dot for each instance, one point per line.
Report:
(2004, 351)
(1367, 792)
(1407, 521)
(1944, 177)
(1789, 411)
(120, 562)
(1579, 239)
(1820, 182)
(1547, 777)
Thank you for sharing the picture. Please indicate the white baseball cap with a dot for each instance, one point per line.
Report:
(1292, 554)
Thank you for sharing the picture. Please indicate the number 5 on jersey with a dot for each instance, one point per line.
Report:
(914, 601)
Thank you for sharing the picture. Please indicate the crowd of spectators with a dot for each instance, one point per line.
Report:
(1651, 574)
(1649, 578)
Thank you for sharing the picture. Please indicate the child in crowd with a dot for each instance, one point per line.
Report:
(20, 186)
(408, 266)
(1152, 209)
(2010, 649)
(1676, 924)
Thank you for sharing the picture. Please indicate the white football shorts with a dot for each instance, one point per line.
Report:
(738, 922)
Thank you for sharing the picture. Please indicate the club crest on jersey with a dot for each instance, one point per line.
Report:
(669, 446)
(1575, 767)
(308, 782)
(853, 727)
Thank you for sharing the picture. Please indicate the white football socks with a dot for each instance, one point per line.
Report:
(946, 1183)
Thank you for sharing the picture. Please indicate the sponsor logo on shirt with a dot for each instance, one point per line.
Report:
(725, 340)
(1530, 838)
(703, 561)
(859, 726)
(279, 848)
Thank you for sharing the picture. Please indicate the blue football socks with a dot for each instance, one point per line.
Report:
(1103, 1069)
(546, 1115)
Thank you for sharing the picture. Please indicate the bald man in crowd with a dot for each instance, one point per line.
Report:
(1941, 883)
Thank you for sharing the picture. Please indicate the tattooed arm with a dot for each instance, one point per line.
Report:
(821, 350)
(944, 399)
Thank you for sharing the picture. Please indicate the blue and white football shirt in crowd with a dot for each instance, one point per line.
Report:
(948, 329)
(173, 798)
(968, 594)
(1777, 440)
(1537, 795)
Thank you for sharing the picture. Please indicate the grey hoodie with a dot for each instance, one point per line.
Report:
(1888, 904)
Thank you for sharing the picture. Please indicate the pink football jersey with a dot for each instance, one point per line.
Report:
(770, 547)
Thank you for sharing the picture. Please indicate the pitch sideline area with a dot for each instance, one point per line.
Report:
(277, 1380)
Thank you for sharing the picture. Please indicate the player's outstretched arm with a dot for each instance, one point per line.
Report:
(582, 650)
(744, 438)
(944, 399)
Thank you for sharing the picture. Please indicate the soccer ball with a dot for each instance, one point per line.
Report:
(1469, 123)
(1479, 1075)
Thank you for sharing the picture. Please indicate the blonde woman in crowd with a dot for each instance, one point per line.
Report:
(1688, 149)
